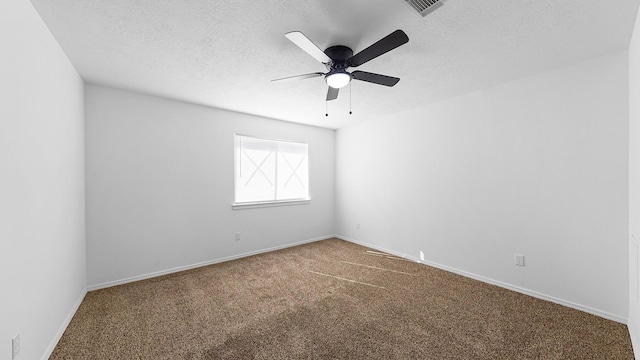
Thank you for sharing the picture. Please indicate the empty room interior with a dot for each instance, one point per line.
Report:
(320, 179)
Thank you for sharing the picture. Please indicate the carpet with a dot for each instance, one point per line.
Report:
(330, 300)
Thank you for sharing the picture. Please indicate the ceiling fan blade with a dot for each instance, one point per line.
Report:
(309, 47)
(383, 45)
(332, 93)
(300, 77)
(375, 78)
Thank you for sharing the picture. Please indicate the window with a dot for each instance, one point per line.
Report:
(270, 171)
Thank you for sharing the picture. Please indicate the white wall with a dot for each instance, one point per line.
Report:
(42, 249)
(160, 186)
(634, 186)
(537, 166)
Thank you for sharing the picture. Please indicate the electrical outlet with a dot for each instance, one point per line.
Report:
(357, 225)
(15, 346)
(519, 260)
(237, 236)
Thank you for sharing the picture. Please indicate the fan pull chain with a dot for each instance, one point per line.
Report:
(350, 99)
(326, 108)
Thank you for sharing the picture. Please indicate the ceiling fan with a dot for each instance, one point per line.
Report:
(339, 58)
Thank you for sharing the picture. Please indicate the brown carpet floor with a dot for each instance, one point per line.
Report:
(330, 300)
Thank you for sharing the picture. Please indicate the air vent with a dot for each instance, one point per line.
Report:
(425, 7)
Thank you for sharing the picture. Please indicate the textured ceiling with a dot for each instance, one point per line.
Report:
(224, 53)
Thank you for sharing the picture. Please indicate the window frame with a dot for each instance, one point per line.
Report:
(265, 203)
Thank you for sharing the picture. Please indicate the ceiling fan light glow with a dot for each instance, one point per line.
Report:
(338, 80)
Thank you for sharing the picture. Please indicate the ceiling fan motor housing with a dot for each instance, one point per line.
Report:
(339, 54)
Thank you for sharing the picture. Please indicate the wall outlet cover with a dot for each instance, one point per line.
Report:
(519, 260)
(15, 346)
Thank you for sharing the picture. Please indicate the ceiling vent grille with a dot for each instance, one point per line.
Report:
(425, 7)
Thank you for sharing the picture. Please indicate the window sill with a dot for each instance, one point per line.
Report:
(261, 204)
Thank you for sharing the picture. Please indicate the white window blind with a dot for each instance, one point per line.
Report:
(270, 170)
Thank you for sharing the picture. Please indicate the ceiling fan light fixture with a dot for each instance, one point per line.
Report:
(338, 79)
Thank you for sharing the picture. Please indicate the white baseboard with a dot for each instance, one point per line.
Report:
(633, 298)
(633, 334)
(535, 294)
(63, 327)
(201, 264)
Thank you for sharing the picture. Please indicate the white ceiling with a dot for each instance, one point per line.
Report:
(224, 53)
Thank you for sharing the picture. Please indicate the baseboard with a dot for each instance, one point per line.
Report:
(201, 264)
(596, 312)
(631, 324)
(63, 327)
(633, 334)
